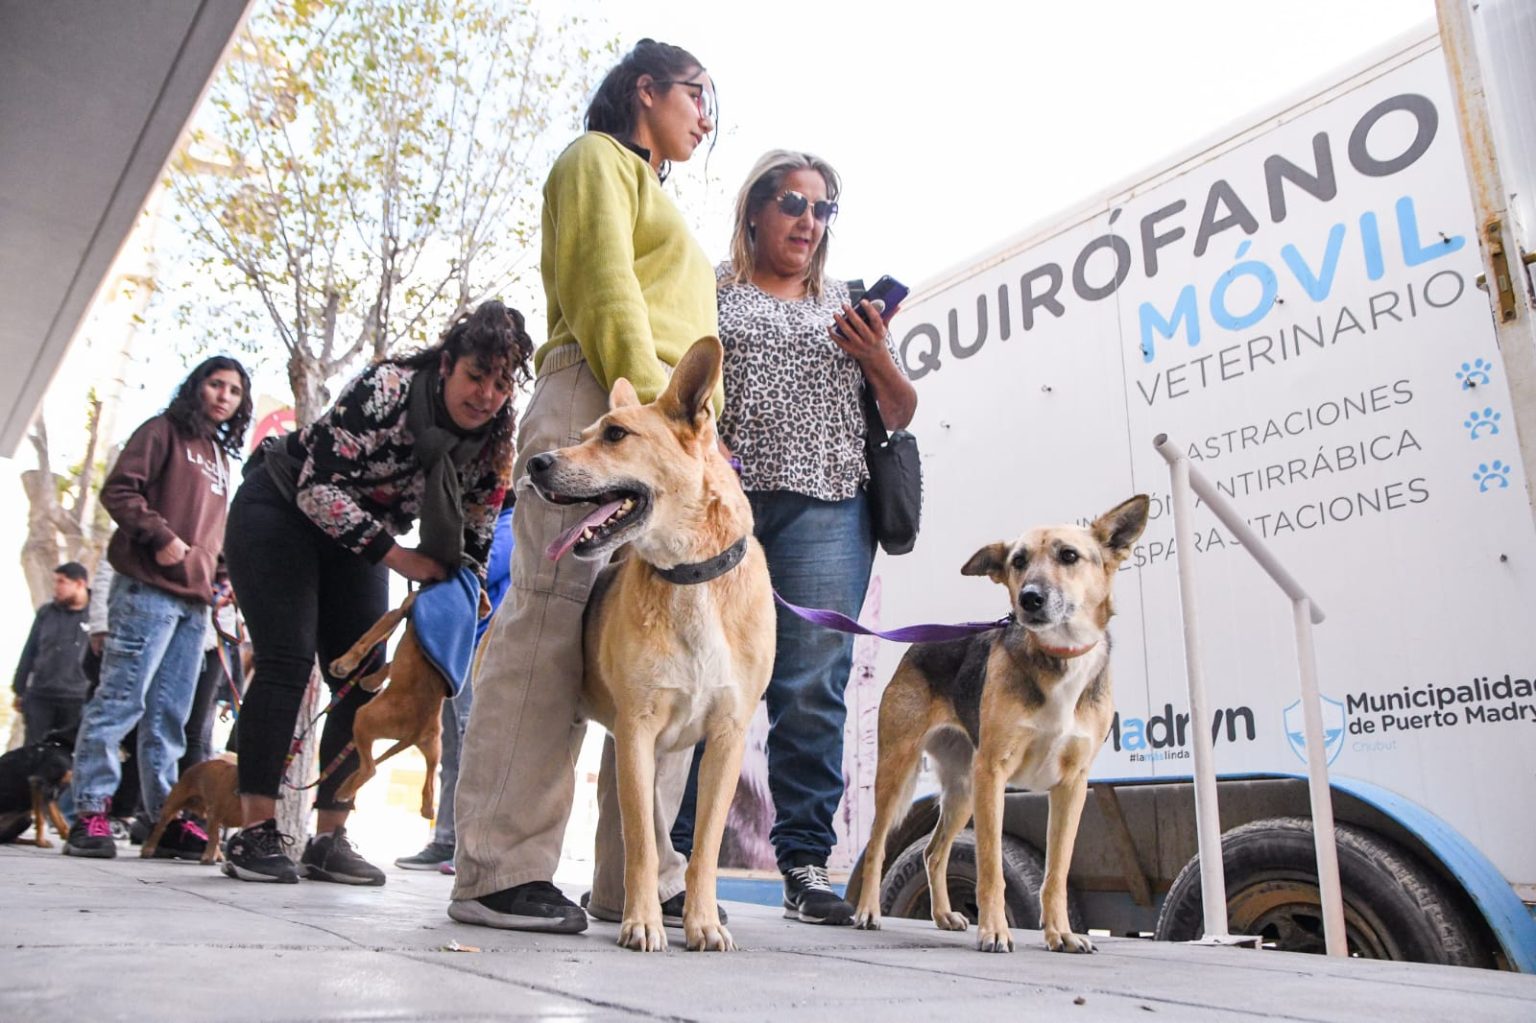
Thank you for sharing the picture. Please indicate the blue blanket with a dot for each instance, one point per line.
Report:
(444, 615)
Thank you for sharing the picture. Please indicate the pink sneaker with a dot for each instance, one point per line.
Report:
(91, 836)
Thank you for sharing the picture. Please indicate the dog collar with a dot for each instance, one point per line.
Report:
(704, 571)
(1066, 653)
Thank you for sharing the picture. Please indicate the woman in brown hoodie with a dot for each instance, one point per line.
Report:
(168, 494)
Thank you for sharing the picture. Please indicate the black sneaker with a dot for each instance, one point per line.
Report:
(809, 898)
(91, 835)
(430, 858)
(259, 853)
(671, 910)
(139, 828)
(184, 839)
(535, 906)
(333, 858)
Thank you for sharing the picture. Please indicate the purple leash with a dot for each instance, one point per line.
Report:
(906, 634)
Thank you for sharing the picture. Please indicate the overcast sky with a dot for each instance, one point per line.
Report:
(955, 124)
(958, 123)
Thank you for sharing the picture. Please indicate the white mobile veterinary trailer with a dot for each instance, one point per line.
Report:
(1298, 304)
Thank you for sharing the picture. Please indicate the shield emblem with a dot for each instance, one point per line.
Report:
(1333, 728)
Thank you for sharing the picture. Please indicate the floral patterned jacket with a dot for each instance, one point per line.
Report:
(361, 483)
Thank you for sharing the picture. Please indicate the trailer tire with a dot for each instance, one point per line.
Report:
(904, 889)
(1394, 906)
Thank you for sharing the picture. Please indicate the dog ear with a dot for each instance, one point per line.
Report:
(623, 394)
(693, 382)
(990, 561)
(1117, 529)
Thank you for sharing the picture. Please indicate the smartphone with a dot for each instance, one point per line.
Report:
(885, 295)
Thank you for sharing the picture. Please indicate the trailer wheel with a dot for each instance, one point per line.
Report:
(1394, 906)
(904, 890)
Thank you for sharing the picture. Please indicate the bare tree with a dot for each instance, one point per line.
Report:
(363, 172)
(63, 523)
(360, 174)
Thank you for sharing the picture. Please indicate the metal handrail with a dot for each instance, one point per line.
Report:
(1213, 886)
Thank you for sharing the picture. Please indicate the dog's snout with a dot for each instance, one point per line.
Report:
(542, 463)
(1031, 599)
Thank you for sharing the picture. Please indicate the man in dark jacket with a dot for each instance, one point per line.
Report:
(50, 685)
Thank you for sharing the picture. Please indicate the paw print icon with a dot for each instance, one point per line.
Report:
(1491, 476)
(1473, 373)
(1484, 423)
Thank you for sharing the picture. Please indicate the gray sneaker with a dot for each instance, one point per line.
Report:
(430, 858)
(333, 858)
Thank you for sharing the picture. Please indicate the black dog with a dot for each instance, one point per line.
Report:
(31, 779)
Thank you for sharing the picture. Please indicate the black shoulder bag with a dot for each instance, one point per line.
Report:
(895, 481)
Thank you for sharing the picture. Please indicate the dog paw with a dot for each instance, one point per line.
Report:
(708, 937)
(867, 919)
(994, 939)
(1066, 941)
(951, 921)
(643, 935)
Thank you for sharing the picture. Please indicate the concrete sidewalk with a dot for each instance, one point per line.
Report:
(138, 939)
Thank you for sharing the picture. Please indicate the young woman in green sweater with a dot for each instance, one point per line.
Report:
(628, 290)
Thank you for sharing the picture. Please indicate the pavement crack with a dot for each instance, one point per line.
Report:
(458, 965)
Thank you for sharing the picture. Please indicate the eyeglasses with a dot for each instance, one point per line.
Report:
(793, 204)
(703, 98)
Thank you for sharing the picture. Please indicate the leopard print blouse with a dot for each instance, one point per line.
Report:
(793, 412)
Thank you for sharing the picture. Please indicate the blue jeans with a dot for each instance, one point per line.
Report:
(149, 672)
(455, 720)
(819, 555)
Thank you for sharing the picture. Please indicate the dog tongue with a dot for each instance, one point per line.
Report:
(566, 540)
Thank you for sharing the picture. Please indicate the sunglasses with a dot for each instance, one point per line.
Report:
(703, 99)
(793, 204)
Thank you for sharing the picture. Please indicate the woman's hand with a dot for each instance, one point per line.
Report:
(894, 393)
(415, 565)
(853, 333)
(173, 553)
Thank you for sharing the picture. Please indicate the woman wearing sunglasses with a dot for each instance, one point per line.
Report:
(796, 357)
(628, 291)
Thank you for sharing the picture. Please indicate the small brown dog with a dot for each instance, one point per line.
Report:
(208, 790)
(410, 711)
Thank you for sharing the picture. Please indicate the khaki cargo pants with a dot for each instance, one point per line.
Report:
(518, 773)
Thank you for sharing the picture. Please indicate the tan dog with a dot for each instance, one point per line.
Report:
(1029, 704)
(410, 711)
(676, 651)
(208, 790)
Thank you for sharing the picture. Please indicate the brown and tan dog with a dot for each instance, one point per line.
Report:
(208, 790)
(410, 711)
(1029, 704)
(679, 635)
